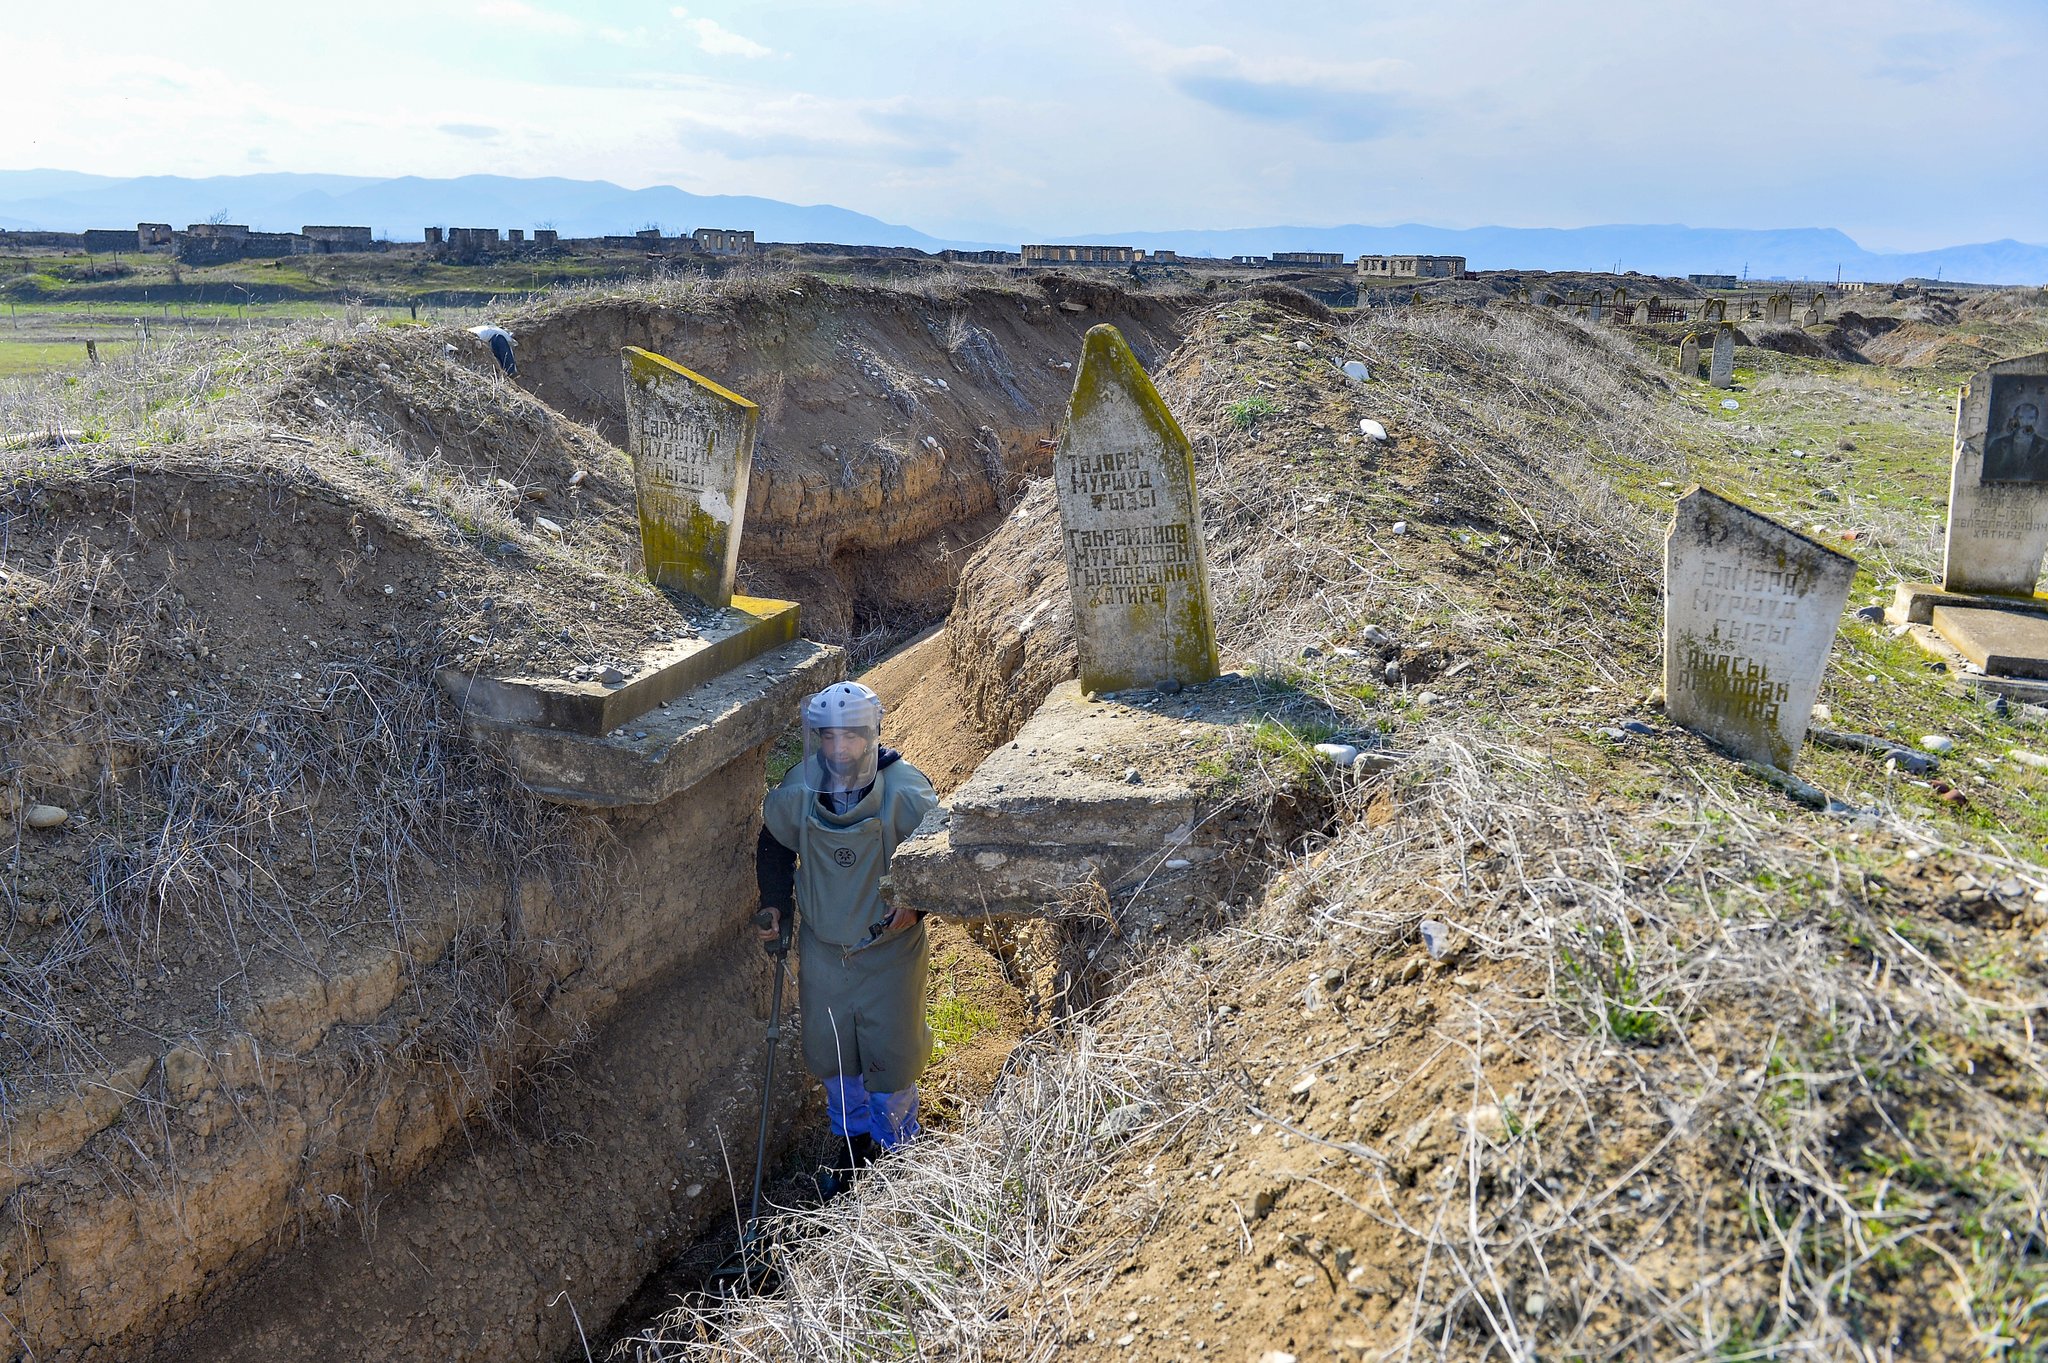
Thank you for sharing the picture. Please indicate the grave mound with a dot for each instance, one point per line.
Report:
(1283, 494)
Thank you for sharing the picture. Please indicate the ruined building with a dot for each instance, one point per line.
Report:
(1411, 267)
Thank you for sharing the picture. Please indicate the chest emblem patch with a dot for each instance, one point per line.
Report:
(843, 855)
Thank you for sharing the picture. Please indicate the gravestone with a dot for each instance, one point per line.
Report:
(1998, 481)
(1689, 355)
(1641, 315)
(1599, 302)
(1750, 610)
(1781, 309)
(1620, 298)
(1812, 317)
(1820, 307)
(1721, 370)
(692, 444)
(1714, 310)
(1131, 528)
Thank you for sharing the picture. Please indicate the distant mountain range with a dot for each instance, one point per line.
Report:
(1788, 253)
(67, 201)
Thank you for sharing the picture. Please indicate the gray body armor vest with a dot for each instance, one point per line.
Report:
(841, 858)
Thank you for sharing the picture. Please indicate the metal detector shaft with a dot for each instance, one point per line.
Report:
(779, 952)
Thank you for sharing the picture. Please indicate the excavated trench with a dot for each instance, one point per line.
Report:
(315, 1166)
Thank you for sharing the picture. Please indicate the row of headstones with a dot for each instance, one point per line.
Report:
(1599, 304)
(1721, 365)
(1751, 607)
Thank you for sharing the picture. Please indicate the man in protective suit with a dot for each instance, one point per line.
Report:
(828, 832)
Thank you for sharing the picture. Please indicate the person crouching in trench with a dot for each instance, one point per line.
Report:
(828, 833)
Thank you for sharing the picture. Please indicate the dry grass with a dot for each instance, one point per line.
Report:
(966, 1248)
(1757, 1083)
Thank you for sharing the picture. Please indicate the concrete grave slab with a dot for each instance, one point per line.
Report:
(1750, 610)
(745, 629)
(1998, 481)
(1689, 356)
(1131, 528)
(1054, 811)
(1969, 675)
(692, 444)
(668, 750)
(2003, 643)
(1913, 603)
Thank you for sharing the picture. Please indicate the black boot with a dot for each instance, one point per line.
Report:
(850, 1155)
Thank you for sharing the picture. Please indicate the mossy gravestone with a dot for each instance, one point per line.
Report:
(1689, 355)
(1131, 528)
(1750, 610)
(1998, 481)
(692, 444)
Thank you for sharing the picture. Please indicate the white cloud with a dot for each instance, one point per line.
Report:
(718, 40)
(519, 14)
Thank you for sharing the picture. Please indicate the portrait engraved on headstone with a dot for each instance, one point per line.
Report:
(1750, 610)
(692, 444)
(2016, 440)
(1721, 369)
(1131, 528)
(1998, 481)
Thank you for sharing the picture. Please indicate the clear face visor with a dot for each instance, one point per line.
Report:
(840, 760)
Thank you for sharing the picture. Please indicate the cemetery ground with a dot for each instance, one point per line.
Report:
(1688, 1070)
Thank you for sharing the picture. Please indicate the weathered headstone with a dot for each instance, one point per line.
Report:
(1721, 370)
(1820, 307)
(1750, 610)
(1781, 309)
(1689, 355)
(1998, 481)
(1132, 528)
(1620, 298)
(1599, 302)
(1714, 310)
(1640, 315)
(692, 444)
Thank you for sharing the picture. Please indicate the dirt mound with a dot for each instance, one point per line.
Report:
(280, 885)
(1284, 478)
(895, 423)
(1927, 345)
(1790, 341)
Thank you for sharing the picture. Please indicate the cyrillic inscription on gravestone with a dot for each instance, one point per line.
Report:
(1689, 355)
(1721, 369)
(692, 444)
(1132, 528)
(1998, 481)
(1750, 610)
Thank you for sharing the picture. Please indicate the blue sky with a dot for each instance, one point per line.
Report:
(1907, 124)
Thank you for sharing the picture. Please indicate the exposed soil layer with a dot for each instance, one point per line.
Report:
(894, 424)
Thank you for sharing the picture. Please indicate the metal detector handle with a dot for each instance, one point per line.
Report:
(785, 923)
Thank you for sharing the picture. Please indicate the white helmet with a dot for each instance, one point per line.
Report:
(842, 738)
(844, 705)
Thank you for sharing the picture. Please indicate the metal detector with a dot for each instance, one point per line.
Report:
(748, 1270)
